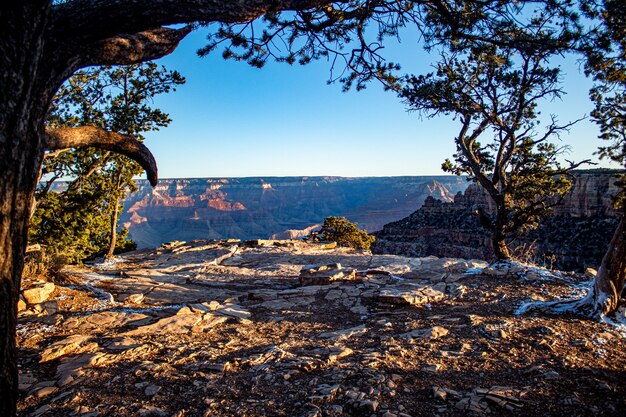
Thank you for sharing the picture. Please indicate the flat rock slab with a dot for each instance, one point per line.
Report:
(72, 345)
(183, 322)
(430, 268)
(106, 320)
(406, 293)
(344, 334)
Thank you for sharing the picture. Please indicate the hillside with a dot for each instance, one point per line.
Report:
(574, 237)
(284, 328)
(257, 208)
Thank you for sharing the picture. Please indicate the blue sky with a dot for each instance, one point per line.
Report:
(232, 120)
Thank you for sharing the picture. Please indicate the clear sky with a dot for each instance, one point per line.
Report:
(232, 120)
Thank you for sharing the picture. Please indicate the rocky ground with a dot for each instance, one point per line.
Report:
(284, 328)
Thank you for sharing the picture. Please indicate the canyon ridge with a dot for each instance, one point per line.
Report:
(278, 207)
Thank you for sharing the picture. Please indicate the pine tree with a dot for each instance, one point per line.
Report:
(82, 221)
(494, 91)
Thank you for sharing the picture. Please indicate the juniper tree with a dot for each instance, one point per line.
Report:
(606, 63)
(82, 220)
(43, 42)
(345, 233)
(494, 92)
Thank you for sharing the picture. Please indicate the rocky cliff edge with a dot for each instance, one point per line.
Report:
(285, 328)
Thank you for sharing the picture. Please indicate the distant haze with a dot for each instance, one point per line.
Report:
(261, 207)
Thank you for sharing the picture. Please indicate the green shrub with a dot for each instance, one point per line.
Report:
(345, 233)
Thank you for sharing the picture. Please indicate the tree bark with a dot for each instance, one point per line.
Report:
(604, 295)
(113, 230)
(498, 235)
(89, 136)
(500, 248)
(609, 283)
(23, 106)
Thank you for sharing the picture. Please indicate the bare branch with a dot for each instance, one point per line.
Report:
(89, 136)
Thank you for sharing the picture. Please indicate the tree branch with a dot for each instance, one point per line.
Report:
(133, 48)
(83, 22)
(89, 136)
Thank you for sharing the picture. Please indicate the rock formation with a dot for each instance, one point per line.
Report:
(257, 208)
(574, 237)
(288, 328)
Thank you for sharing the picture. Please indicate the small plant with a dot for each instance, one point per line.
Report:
(345, 233)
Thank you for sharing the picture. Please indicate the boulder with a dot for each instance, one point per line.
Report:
(38, 293)
(324, 274)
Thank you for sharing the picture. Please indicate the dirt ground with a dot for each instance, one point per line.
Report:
(227, 329)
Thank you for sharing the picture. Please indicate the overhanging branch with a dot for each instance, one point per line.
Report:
(83, 22)
(89, 136)
(133, 48)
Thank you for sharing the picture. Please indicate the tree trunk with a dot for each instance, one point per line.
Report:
(604, 296)
(498, 237)
(609, 283)
(500, 248)
(23, 105)
(113, 230)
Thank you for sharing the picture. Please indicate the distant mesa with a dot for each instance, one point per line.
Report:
(574, 237)
(242, 208)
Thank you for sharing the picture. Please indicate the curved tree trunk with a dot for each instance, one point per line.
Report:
(22, 111)
(608, 286)
(609, 283)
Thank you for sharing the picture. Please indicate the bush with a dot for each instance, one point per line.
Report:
(345, 233)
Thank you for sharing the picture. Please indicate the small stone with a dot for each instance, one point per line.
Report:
(370, 405)
(151, 411)
(431, 333)
(135, 298)
(433, 369)
(152, 390)
(590, 273)
(439, 394)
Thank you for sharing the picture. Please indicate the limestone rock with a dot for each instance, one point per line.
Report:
(21, 304)
(324, 274)
(184, 321)
(410, 294)
(345, 333)
(71, 345)
(105, 320)
(38, 293)
(431, 333)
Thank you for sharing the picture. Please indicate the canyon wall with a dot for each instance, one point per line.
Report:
(257, 208)
(574, 237)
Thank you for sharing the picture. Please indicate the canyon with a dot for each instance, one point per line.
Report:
(574, 237)
(278, 207)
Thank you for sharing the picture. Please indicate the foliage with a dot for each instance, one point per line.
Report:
(81, 221)
(345, 233)
(351, 34)
(606, 62)
(494, 91)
